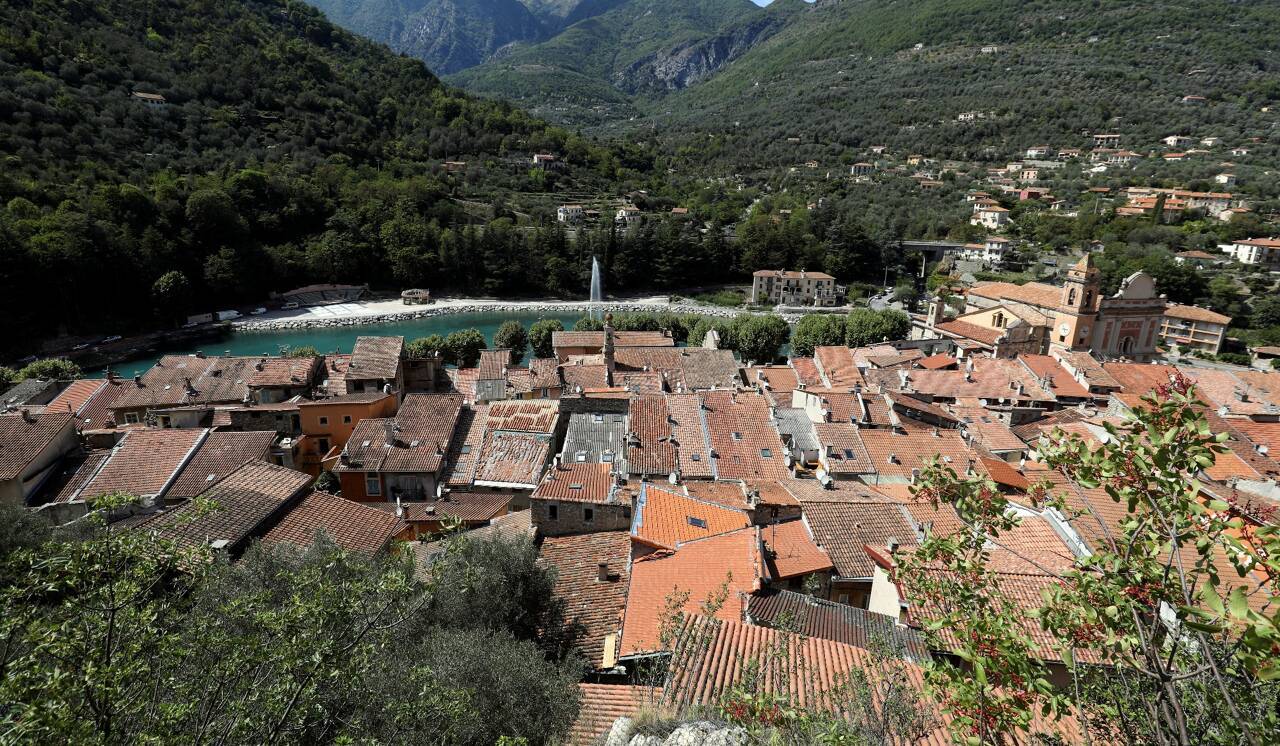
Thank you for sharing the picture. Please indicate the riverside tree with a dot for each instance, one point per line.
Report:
(540, 336)
(511, 336)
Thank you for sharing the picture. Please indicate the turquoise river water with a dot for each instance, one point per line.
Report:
(341, 338)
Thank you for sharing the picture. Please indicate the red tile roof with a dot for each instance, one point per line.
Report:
(524, 415)
(243, 505)
(843, 529)
(894, 455)
(144, 462)
(464, 449)
(220, 454)
(729, 494)
(595, 605)
(279, 372)
(375, 358)
(701, 569)
(352, 526)
(75, 396)
(468, 507)
(96, 412)
(577, 482)
(806, 371)
(212, 380)
(937, 362)
(693, 451)
(744, 442)
(24, 438)
(1061, 383)
(837, 365)
(414, 441)
(651, 451)
(791, 551)
(971, 331)
(1195, 313)
(842, 443)
(512, 459)
(602, 704)
(493, 364)
(665, 518)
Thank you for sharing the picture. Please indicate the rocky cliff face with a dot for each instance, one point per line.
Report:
(692, 63)
(453, 35)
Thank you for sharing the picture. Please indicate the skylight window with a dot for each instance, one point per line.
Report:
(696, 457)
(848, 453)
(597, 418)
(737, 436)
(697, 522)
(607, 457)
(575, 486)
(766, 453)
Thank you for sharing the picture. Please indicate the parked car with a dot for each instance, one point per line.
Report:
(228, 315)
(258, 311)
(112, 338)
(289, 306)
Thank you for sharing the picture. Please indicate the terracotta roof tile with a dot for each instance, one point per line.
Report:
(244, 504)
(894, 455)
(464, 449)
(375, 358)
(595, 605)
(843, 450)
(144, 462)
(700, 569)
(937, 362)
(988, 430)
(806, 371)
(577, 482)
(1061, 383)
(220, 454)
(665, 518)
(212, 380)
(694, 443)
(468, 507)
(96, 412)
(524, 415)
(843, 529)
(744, 443)
(1032, 293)
(277, 372)
(512, 459)
(349, 524)
(991, 378)
(791, 551)
(493, 364)
(76, 395)
(1195, 313)
(837, 365)
(650, 451)
(602, 704)
(775, 381)
(970, 331)
(24, 438)
(414, 441)
(729, 494)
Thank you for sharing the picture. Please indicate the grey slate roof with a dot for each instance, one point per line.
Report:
(795, 423)
(592, 434)
(32, 392)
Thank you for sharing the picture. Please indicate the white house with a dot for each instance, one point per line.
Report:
(1039, 151)
(1174, 141)
(862, 169)
(1225, 179)
(1211, 142)
(991, 252)
(150, 99)
(1239, 151)
(1264, 251)
(628, 216)
(992, 217)
(569, 213)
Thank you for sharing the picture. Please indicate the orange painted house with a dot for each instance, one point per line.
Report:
(327, 424)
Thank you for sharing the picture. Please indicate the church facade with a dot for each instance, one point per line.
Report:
(1007, 319)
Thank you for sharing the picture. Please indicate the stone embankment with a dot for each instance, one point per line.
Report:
(421, 312)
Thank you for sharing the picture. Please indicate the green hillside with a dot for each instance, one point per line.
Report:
(287, 151)
(849, 74)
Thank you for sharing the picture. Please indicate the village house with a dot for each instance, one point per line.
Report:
(1263, 251)
(545, 160)
(862, 169)
(376, 365)
(579, 497)
(992, 251)
(1226, 180)
(152, 100)
(1040, 151)
(30, 447)
(991, 217)
(569, 213)
(790, 288)
(628, 216)
(327, 425)
(399, 458)
(1192, 328)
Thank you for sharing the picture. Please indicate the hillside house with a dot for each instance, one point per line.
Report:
(1263, 251)
(152, 100)
(1193, 328)
(991, 217)
(569, 213)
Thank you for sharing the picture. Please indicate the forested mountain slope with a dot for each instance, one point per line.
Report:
(449, 35)
(595, 70)
(899, 73)
(285, 151)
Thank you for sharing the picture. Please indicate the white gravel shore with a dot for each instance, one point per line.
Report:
(371, 312)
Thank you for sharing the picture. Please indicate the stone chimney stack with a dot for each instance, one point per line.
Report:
(608, 349)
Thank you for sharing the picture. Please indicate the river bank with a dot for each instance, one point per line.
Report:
(391, 311)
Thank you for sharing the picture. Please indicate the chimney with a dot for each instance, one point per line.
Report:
(27, 416)
(602, 572)
(608, 349)
(137, 380)
(186, 382)
(389, 432)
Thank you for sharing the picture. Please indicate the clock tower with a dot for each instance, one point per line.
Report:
(1078, 307)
